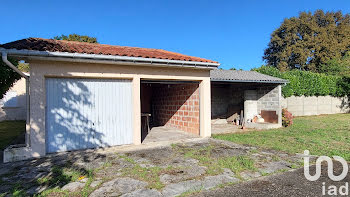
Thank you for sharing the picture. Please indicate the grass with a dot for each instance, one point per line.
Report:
(17, 190)
(60, 176)
(150, 175)
(327, 135)
(147, 174)
(191, 192)
(215, 165)
(9, 131)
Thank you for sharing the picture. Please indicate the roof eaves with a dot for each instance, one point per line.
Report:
(47, 54)
(52, 45)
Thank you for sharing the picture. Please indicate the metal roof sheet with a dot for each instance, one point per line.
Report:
(243, 76)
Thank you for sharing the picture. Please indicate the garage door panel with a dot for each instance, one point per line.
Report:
(88, 113)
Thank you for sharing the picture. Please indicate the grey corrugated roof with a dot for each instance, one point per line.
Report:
(243, 76)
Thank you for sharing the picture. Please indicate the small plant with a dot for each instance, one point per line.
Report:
(287, 118)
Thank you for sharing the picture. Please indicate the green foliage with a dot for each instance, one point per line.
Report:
(233, 68)
(343, 86)
(337, 66)
(24, 67)
(287, 118)
(7, 77)
(309, 41)
(308, 83)
(76, 37)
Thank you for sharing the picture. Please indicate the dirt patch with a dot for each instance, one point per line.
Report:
(157, 156)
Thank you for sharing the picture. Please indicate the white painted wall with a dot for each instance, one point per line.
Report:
(13, 104)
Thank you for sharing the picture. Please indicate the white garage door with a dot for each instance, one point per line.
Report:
(87, 113)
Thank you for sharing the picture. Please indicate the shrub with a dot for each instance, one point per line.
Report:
(287, 118)
(308, 83)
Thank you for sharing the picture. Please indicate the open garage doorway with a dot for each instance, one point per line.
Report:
(169, 110)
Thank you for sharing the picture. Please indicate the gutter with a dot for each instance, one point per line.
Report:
(8, 63)
(111, 59)
(26, 76)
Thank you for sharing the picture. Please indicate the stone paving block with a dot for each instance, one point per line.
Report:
(143, 193)
(118, 186)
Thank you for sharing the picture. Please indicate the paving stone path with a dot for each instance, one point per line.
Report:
(172, 170)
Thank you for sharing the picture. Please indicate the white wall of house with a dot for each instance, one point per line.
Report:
(13, 104)
(313, 105)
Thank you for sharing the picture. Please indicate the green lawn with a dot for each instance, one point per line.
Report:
(10, 131)
(322, 135)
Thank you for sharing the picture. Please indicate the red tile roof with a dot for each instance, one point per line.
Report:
(51, 45)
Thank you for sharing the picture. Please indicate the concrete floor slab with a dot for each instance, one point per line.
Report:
(159, 134)
(262, 126)
(225, 128)
(231, 128)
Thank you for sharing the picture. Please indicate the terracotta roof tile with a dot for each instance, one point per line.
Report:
(51, 45)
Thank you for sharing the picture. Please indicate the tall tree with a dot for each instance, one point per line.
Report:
(76, 37)
(309, 40)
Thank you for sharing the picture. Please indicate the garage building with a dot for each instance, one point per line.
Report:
(245, 95)
(85, 95)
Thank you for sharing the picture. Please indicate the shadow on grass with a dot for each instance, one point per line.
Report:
(44, 176)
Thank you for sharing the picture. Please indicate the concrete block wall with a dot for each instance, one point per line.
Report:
(268, 98)
(177, 106)
(315, 105)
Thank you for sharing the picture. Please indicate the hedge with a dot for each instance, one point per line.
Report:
(308, 83)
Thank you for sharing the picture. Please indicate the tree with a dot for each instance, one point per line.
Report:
(308, 41)
(76, 37)
(7, 77)
(337, 66)
(22, 66)
(233, 68)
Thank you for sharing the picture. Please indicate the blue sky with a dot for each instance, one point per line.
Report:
(235, 33)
